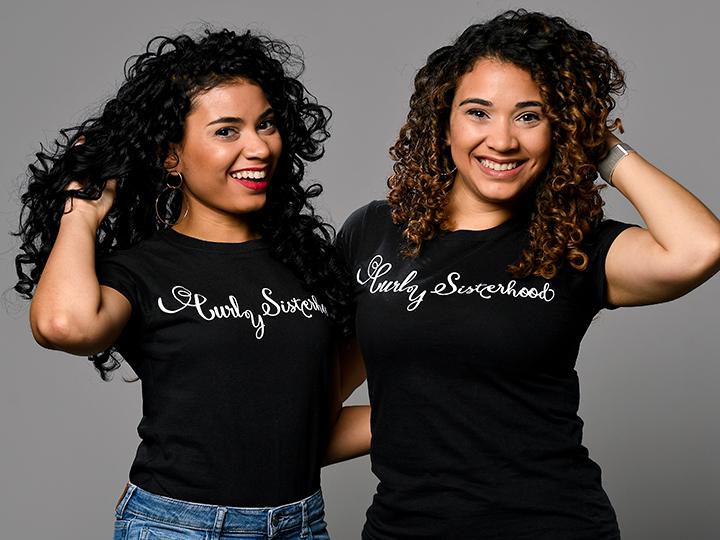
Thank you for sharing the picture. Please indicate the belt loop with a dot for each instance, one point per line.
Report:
(124, 499)
(219, 522)
(272, 521)
(304, 530)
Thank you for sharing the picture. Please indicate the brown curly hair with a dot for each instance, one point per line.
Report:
(577, 79)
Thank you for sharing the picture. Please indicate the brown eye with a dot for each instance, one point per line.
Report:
(267, 125)
(226, 132)
(477, 113)
(529, 117)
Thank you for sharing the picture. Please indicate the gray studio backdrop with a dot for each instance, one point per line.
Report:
(649, 376)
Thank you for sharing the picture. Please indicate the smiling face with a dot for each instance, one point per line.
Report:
(230, 149)
(499, 140)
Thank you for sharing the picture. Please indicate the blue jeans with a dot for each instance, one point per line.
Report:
(141, 515)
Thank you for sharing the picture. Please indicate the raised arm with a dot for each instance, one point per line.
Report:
(70, 310)
(679, 250)
(350, 435)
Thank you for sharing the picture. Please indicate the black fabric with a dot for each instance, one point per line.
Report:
(232, 354)
(472, 384)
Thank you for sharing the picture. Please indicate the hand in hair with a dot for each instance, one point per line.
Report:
(94, 210)
(70, 311)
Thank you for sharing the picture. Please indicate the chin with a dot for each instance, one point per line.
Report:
(505, 195)
(255, 206)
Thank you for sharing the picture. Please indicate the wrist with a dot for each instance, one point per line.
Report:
(617, 152)
(76, 216)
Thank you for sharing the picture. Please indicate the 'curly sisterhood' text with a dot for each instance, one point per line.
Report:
(377, 269)
(184, 298)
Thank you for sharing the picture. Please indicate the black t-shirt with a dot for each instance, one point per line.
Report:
(472, 384)
(232, 354)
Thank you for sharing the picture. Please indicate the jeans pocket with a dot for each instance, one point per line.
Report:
(318, 530)
(121, 529)
(162, 531)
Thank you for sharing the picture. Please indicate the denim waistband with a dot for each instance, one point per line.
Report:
(138, 503)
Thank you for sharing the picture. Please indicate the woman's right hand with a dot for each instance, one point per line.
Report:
(94, 211)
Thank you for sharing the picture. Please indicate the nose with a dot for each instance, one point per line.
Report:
(501, 136)
(255, 147)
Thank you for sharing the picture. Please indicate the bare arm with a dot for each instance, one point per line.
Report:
(350, 435)
(679, 250)
(70, 310)
(352, 367)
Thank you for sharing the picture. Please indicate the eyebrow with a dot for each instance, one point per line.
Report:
(486, 103)
(237, 119)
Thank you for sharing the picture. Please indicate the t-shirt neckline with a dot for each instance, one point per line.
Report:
(510, 224)
(191, 242)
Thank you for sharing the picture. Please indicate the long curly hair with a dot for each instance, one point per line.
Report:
(577, 79)
(132, 137)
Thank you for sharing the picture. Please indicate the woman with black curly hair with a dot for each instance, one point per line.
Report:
(476, 281)
(214, 279)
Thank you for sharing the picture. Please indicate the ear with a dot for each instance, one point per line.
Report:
(172, 161)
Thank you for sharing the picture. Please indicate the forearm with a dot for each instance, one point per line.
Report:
(68, 298)
(350, 436)
(351, 369)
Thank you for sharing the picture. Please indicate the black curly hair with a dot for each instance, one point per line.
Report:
(132, 138)
(577, 79)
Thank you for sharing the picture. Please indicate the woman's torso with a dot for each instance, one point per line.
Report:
(472, 383)
(232, 354)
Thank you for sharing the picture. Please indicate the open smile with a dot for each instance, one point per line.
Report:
(251, 178)
(500, 169)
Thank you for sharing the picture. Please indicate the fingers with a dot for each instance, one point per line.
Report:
(97, 206)
(73, 185)
(111, 187)
(612, 140)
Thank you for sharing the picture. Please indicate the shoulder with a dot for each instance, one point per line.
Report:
(598, 240)
(373, 218)
(136, 258)
(365, 227)
(375, 212)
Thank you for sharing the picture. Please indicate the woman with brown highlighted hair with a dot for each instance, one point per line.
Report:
(476, 281)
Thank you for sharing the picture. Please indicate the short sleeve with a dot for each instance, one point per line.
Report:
(596, 247)
(113, 272)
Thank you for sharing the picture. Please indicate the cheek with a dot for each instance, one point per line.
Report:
(197, 156)
(459, 139)
(541, 146)
(276, 147)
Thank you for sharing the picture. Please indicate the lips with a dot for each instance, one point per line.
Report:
(500, 169)
(251, 178)
(249, 174)
(499, 166)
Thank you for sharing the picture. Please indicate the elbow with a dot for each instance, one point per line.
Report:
(52, 331)
(715, 250)
(697, 265)
(708, 258)
(58, 331)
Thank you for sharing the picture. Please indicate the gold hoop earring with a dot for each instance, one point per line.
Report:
(170, 190)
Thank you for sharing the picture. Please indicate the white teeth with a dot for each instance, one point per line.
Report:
(499, 166)
(249, 175)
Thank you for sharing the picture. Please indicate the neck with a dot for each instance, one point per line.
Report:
(234, 229)
(475, 216)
